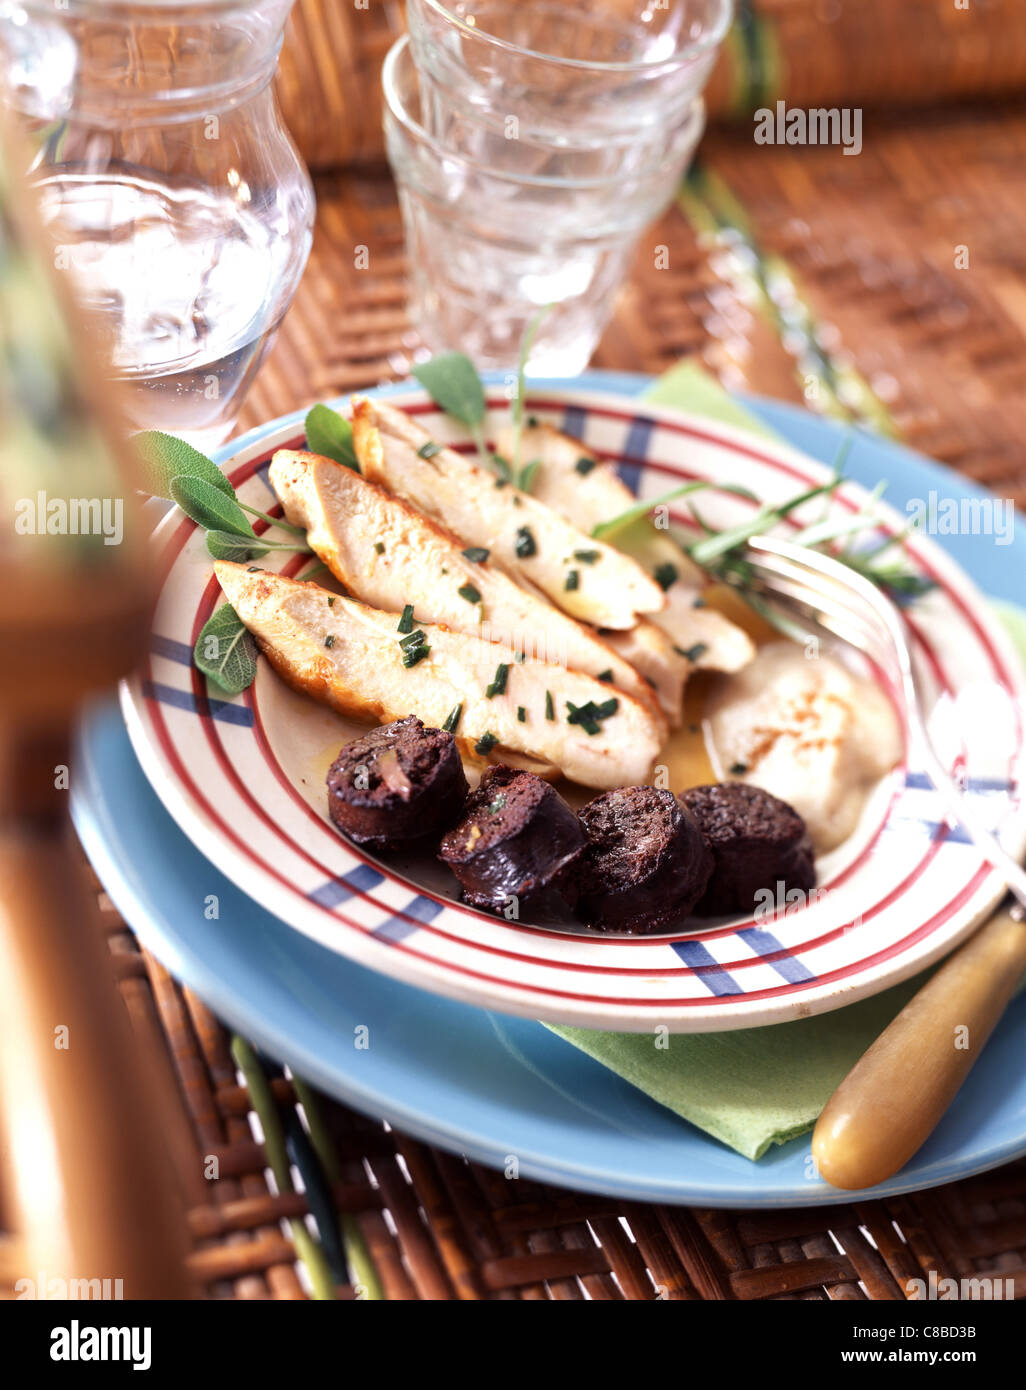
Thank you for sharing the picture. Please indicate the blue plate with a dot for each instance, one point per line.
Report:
(486, 1085)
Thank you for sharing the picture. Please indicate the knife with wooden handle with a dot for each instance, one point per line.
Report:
(893, 1098)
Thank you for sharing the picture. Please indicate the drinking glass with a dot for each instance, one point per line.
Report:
(570, 73)
(491, 240)
(181, 208)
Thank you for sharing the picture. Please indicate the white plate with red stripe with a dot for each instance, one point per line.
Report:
(244, 778)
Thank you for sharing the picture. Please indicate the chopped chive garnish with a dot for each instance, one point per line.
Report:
(587, 557)
(521, 714)
(692, 654)
(253, 569)
(585, 465)
(573, 580)
(591, 715)
(605, 676)
(415, 654)
(532, 422)
(550, 709)
(520, 658)
(452, 719)
(738, 769)
(406, 621)
(477, 553)
(429, 450)
(579, 714)
(329, 641)
(502, 482)
(379, 546)
(496, 806)
(415, 648)
(525, 543)
(498, 685)
(331, 601)
(665, 575)
(485, 743)
(471, 594)
(505, 469)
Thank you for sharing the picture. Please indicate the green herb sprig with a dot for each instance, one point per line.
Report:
(605, 529)
(225, 651)
(453, 384)
(526, 477)
(330, 434)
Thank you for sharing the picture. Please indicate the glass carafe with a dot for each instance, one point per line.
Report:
(181, 208)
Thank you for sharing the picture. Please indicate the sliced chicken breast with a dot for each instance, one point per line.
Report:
(354, 659)
(605, 588)
(389, 555)
(665, 670)
(580, 487)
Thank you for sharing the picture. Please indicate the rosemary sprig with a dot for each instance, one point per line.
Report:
(721, 554)
(517, 409)
(605, 529)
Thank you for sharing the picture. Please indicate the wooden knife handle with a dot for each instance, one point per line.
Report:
(893, 1098)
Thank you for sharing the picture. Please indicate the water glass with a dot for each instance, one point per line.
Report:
(494, 232)
(180, 206)
(570, 73)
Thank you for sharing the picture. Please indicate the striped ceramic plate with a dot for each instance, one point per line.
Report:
(245, 780)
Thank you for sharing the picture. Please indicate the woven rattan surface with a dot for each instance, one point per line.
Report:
(880, 314)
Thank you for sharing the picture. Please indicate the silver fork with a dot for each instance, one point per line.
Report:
(815, 593)
(895, 1095)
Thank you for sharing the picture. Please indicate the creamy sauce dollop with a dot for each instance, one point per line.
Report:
(806, 729)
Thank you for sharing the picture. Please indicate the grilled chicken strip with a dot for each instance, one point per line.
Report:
(388, 555)
(574, 483)
(607, 589)
(663, 668)
(354, 659)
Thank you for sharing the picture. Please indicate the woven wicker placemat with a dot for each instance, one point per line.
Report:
(863, 260)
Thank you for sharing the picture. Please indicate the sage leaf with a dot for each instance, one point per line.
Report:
(226, 652)
(165, 458)
(331, 434)
(209, 507)
(453, 384)
(225, 545)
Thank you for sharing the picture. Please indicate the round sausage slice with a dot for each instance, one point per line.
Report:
(517, 846)
(646, 864)
(396, 785)
(758, 843)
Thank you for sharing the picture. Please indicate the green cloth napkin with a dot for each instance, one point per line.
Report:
(758, 1086)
